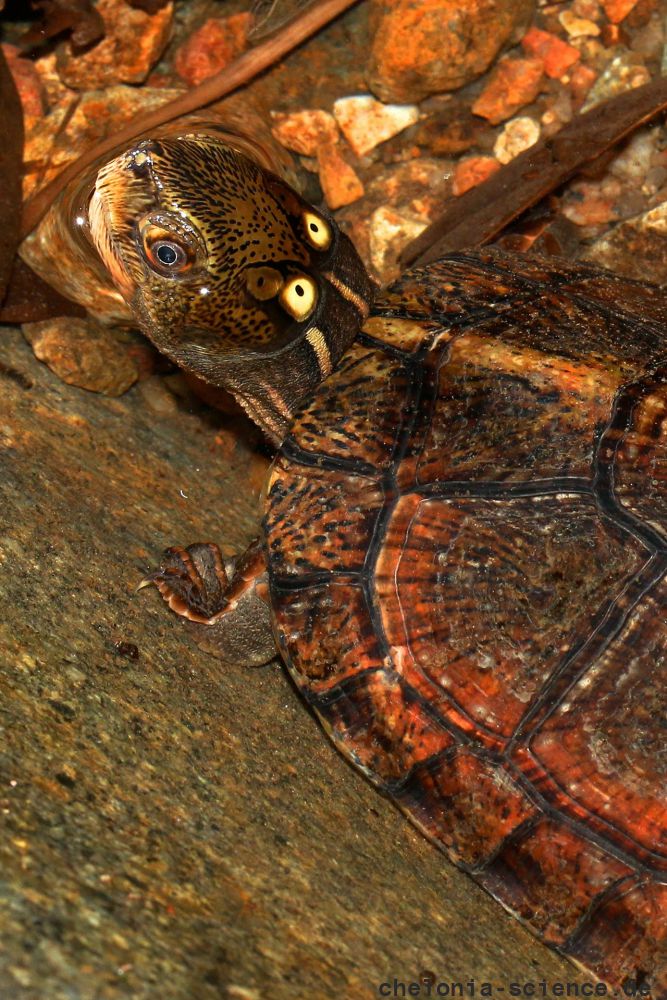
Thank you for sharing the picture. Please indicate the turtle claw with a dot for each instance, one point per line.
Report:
(193, 581)
(229, 597)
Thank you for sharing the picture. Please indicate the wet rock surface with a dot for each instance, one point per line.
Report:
(173, 827)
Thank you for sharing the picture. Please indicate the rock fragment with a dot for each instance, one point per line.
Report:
(636, 248)
(618, 10)
(472, 171)
(513, 84)
(556, 55)
(84, 354)
(422, 47)
(518, 135)
(624, 72)
(366, 123)
(304, 131)
(340, 182)
(390, 230)
(578, 27)
(212, 47)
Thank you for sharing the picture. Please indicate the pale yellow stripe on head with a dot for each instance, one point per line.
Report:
(347, 293)
(318, 342)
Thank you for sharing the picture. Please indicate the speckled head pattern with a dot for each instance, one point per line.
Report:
(228, 270)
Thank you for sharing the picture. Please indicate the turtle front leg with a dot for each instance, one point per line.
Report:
(227, 601)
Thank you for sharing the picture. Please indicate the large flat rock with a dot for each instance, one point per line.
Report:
(173, 828)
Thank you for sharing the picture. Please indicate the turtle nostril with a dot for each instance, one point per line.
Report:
(139, 159)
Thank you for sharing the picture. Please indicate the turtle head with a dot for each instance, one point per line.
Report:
(228, 270)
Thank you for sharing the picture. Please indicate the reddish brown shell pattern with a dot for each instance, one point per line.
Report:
(467, 540)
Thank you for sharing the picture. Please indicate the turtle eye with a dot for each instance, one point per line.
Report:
(318, 232)
(165, 251)
(299, 296)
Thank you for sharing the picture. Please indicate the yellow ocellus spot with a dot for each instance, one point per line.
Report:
(299, 296)
(264, 282)
(317, 230)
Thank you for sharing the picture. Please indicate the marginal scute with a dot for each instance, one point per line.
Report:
(467, 804)
(626, 937)
(386, 728)
(555, 905)
(327, 633)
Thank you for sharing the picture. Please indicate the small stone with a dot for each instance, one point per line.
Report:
(513, 84)
(419, 187)
(212, 47)
(636, 247)
(132, 44)
(589, 9)
(340, 184)
(635, 160)
(591, 203)
(618, 10)
(577, 27)
(473, 171)
(82, 353)
(625, 72)
(449, 128)
(304, 131)
(390, 231)
(366, 123)
(425, 47)
(27, 82)
(556, 55)
(518, 135)
(582, 79)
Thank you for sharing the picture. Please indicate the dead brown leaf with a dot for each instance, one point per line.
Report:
(11, 159)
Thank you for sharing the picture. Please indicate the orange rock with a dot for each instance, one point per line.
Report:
(212, 47)
(27, 82)
(424, 47)
(513, 84)
(556, 55)
(340, 184)
(618, 10)
(133, 43)
(473, 171)
(304, 131)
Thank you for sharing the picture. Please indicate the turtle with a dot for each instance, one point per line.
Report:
(463, 551)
